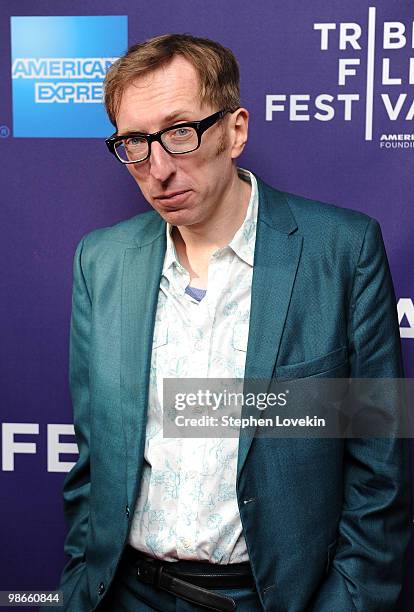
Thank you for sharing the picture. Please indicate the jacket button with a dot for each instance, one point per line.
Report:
(127, 511)
(101, 588)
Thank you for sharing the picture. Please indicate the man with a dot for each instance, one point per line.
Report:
(227, 277)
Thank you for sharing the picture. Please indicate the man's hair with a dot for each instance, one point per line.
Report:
(216, 67)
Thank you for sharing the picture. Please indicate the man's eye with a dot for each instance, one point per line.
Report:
(133, 142)
(181, 132)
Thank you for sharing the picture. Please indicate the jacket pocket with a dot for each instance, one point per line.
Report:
(335, 360)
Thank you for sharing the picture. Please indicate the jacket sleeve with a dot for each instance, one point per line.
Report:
(374, 529)
(76, 487)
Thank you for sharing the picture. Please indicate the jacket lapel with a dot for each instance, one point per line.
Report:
(140, 283)
(277, 253)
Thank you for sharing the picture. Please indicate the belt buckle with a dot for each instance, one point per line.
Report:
(146, 573)
(157, 575)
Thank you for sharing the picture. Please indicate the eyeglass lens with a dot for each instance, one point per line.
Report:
(177, 140)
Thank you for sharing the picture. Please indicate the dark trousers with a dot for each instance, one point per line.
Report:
(128, 594)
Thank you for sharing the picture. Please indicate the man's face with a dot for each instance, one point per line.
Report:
(184, 189)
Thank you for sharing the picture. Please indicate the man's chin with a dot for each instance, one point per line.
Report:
(176, 215)
(181, 217)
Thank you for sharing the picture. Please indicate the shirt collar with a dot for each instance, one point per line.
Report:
(170, 253)
(243, 241)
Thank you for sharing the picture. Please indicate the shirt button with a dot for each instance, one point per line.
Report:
(101, 588)
(186, 543)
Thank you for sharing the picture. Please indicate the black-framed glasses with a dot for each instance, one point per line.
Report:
(135, 147)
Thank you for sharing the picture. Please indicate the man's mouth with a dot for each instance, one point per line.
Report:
(172, 198)
(170, 194)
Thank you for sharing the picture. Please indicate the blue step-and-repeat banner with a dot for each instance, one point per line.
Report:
(329, 87)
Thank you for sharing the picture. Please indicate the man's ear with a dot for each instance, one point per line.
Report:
(239, 127)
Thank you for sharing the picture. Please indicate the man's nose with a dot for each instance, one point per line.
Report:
(162, 164)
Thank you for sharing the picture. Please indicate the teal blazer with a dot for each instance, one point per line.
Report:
(326, 521)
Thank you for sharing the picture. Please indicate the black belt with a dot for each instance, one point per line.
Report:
(192, 583)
